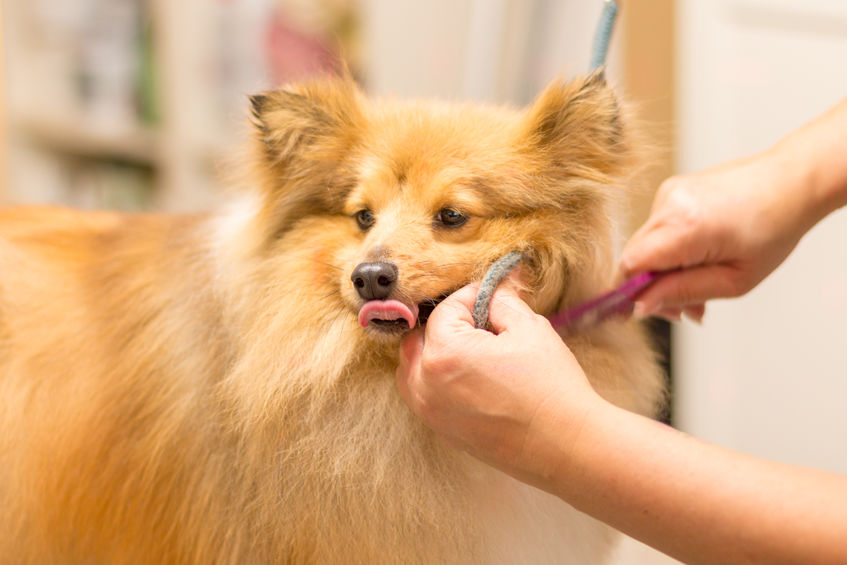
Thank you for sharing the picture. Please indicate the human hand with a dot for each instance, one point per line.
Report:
(496, 395)
(719, 231)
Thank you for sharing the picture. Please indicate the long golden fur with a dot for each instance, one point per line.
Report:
(198, 389)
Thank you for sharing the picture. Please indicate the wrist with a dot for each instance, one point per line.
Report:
(792, 177)
(812, 158)
(563, 438)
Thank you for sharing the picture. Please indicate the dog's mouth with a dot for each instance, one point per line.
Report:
(393, 316)
(426, 307)
(388, 315)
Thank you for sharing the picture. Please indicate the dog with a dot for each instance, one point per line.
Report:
(219, 388)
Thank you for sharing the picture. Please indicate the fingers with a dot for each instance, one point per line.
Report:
(508, 310)
(678, 232)
(695, 312)
(451, 323)
(688, 289)
(464, 297)
(408, 369)
(507, 307)
(456, 310)
(658, 248)
(668, 313)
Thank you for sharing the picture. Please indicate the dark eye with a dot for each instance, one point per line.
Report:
(451, 218)
(365, 218)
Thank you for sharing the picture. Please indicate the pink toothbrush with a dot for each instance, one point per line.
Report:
(614, 303)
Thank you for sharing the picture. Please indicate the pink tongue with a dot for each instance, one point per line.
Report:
(387, 310)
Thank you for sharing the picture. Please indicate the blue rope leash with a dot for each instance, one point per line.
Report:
(603, 35)
(498, 271)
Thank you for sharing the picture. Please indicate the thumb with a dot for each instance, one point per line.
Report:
(659, 248)
(408, 368)
(508, 310)
(454, 313)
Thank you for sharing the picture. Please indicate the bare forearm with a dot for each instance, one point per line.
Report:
(699, 502)
(816, 155)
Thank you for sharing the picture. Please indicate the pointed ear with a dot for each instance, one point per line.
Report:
(577, 128)
(312, 122)
(304, 135)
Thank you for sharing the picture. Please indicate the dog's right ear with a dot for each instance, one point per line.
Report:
(304, 134)
(310, 122)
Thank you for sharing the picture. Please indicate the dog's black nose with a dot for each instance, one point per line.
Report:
(374, 281)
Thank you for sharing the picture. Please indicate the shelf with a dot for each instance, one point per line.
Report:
(78, 78)
(139, 145)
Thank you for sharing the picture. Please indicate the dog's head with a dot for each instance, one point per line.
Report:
(413, 200)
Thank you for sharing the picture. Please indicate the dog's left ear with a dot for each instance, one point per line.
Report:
(577, 127)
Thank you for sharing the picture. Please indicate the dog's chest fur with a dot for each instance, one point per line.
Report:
(369, 484)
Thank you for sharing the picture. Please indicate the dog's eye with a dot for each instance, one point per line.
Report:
(451, 218)
(365, 218)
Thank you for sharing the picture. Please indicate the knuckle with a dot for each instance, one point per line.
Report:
(732, 286)
(670, 185)
(540, 321)
(685, 207)
(737, 284)
(434, 363)
(422, 406)
(672, 189)
(687, 297)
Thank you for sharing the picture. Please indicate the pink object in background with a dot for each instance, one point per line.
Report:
(293, 54)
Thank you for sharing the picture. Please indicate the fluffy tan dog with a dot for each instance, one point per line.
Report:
(220, 389)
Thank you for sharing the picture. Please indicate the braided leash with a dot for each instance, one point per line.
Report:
(498, 271)
(603, 35)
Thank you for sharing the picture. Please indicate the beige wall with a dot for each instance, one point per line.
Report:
(493, 50)
(648, 62)
(767, 373)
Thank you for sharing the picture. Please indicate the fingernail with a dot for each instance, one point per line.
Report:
(640, 311)
(696, 319)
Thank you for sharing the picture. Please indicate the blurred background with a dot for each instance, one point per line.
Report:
(139, 105)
